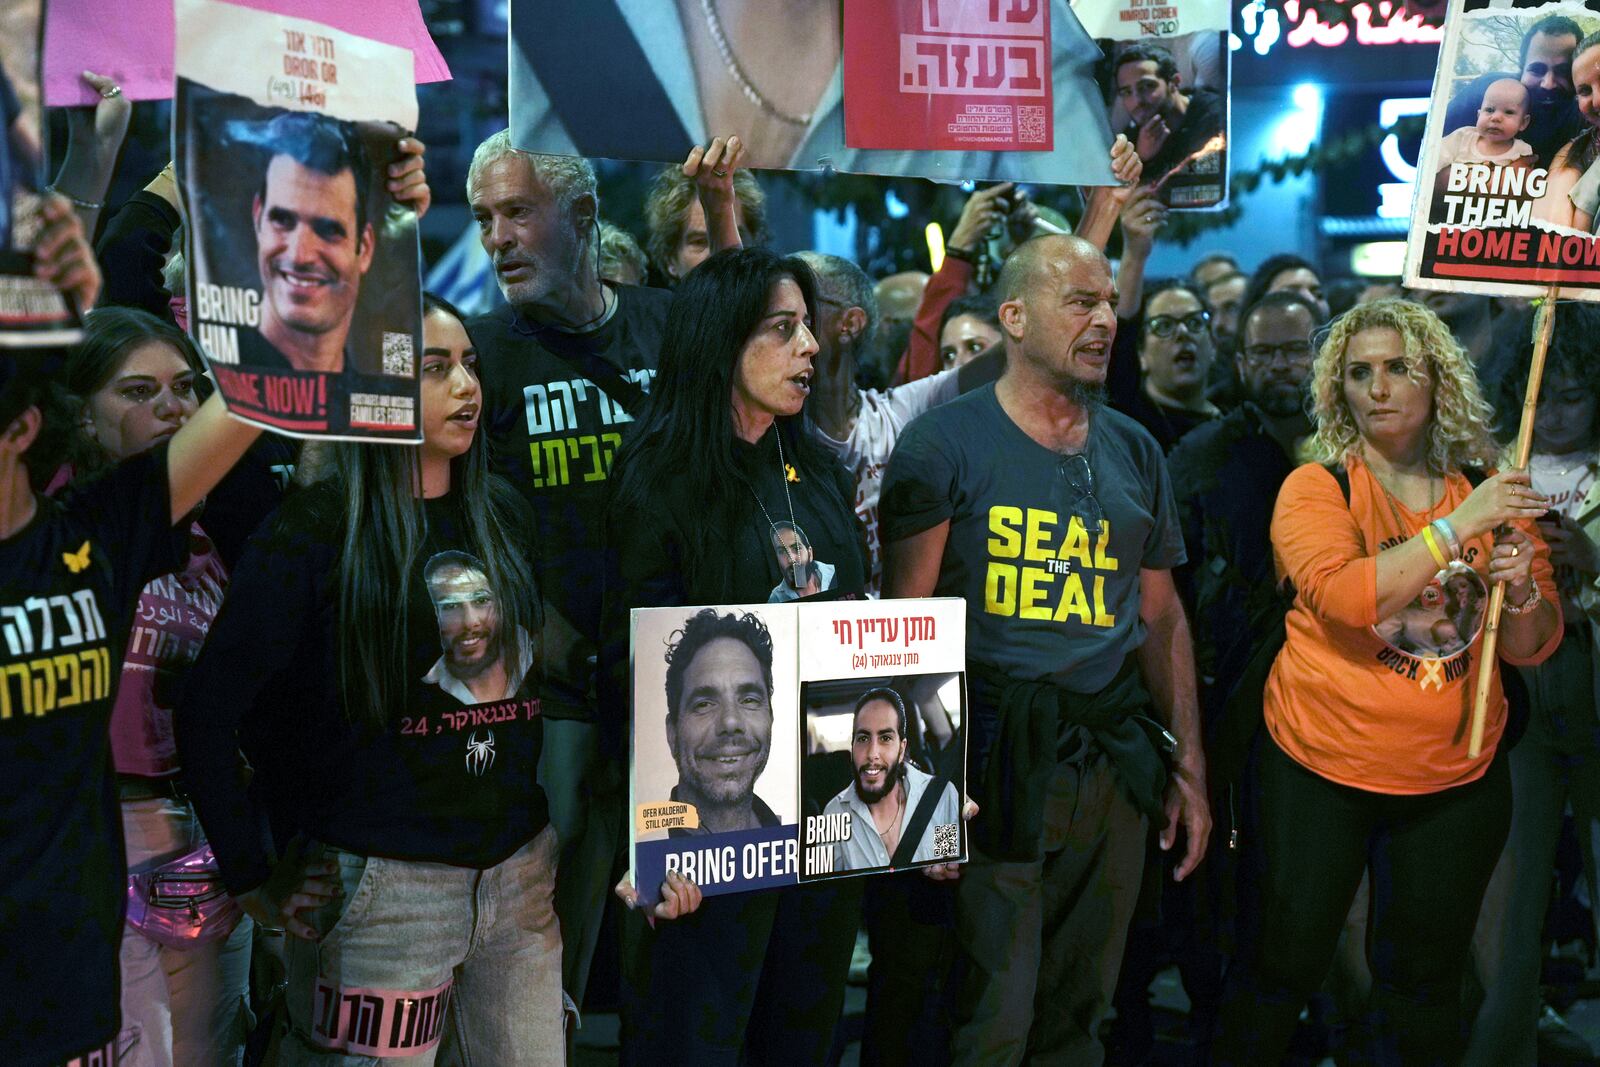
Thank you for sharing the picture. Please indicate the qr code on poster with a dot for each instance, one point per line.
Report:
(947, 841)
(398, 361)
(1030, 124)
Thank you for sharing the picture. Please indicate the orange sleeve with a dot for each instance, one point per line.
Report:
(1544, 577)
(1320, 549)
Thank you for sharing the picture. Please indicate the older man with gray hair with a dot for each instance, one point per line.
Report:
(860, 425)
(563, 369)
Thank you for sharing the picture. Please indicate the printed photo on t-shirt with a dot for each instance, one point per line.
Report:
(479, 662)
(1443, 620)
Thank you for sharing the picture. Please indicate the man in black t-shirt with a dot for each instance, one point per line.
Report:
(1053, 516)
(563, 370)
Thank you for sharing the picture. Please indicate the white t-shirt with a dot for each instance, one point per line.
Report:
(1566, 480)
(865, 453)
(1462, 146)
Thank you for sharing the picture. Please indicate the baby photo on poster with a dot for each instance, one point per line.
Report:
(1508, 191)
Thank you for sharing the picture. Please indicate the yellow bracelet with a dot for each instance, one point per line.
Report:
(1433, 547)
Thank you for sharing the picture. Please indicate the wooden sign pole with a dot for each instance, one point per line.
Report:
(1544, 326)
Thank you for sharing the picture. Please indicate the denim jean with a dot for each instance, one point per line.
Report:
(1430, 857)
(419, 961)
(180, 1007)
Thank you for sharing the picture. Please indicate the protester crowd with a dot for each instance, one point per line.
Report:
(1225, 542)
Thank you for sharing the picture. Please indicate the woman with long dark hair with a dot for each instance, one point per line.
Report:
(720, 497)
(139, 381)
(377, 660)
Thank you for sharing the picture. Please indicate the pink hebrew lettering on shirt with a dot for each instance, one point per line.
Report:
(377, 1022)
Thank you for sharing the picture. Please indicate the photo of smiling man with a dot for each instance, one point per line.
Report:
(313, 240)
(716, 747)
(304, 284)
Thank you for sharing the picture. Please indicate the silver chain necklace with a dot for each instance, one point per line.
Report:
(736, 72)
(783, 474)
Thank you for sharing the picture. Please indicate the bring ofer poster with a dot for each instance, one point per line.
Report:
(784, 743)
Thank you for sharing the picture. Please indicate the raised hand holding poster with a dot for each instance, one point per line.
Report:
(304, 284)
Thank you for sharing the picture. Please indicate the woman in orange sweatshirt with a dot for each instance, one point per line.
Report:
(1364, 762)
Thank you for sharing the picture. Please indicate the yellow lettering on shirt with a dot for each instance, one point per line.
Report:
(1103, 562)
(1101, 616)
(1055, 579)
(1075, 546)
(1041, 526)
(1005, 524)
(1073, 604)
(1000, 589)
(39, 686)
(1031, 604)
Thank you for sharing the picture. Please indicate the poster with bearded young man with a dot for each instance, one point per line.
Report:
(715, 747)
(304, 288)
(1508, 191)
(1165, 76)
(883, 701)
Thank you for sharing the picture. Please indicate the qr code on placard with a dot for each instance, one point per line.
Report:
(398, 358)
(947, 841)
(1030, 124)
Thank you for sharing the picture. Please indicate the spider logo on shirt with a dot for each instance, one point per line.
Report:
(480, 754)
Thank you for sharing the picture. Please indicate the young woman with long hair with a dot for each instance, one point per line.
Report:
(139, 381)
(1364, 762)
(721, 497)
(377, 661)
(73, 567)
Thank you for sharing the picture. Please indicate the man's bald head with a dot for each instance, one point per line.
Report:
(1041, 257)
(900, 294)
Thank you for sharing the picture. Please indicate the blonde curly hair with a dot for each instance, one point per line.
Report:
(1459, 425)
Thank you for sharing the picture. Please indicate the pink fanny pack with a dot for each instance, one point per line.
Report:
(378, 1022)
(182, 903)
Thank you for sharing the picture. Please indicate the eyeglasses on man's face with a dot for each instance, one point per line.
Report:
(1164, 326)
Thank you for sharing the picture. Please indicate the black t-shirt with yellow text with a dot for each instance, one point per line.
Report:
(1048, 597)
(554, 429)
(69, 583)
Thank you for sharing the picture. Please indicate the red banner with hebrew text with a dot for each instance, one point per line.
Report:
(949, 74)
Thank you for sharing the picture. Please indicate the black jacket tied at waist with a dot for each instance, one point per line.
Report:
(1031, 728)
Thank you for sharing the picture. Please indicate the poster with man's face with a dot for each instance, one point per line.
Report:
(1165, 79)
(304, 289)
(1508, 192)
(714, 747)
(883, 732)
